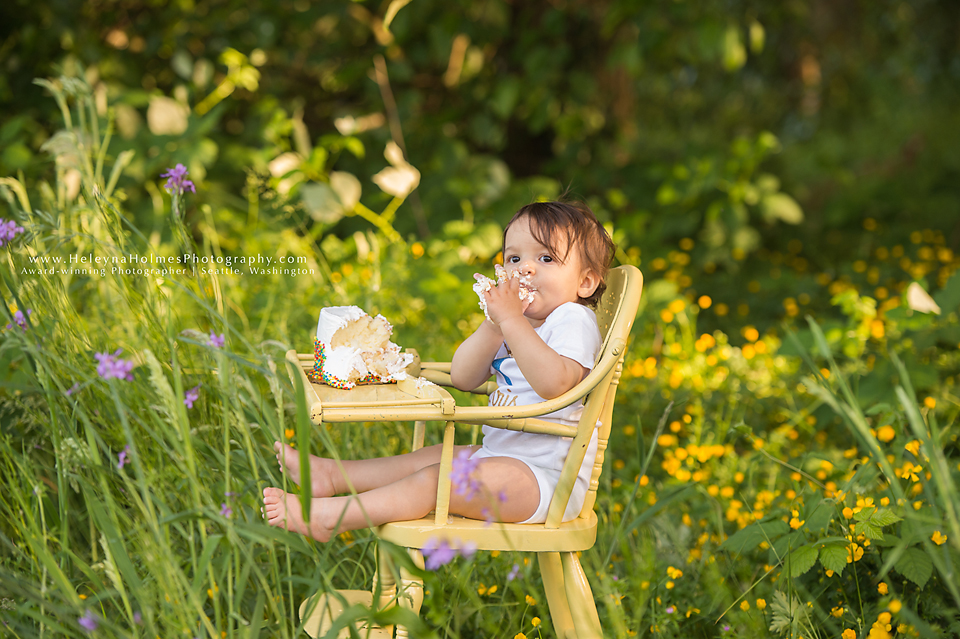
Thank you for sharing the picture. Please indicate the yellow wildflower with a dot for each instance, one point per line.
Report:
(882, 588)
(886, 433)
(530, 601)
(930, 402)
(849, 633)
(837, 612)
(535, 622)
(938, 538)
(796, 522)
(895, 606)
(876, 329)
(914, 447)
(289, 433)
(854, 553)
(761, 604)
(863, 502)
(744, 605)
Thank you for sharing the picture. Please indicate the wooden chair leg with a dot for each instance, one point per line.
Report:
(583, 608)
(385, 580)
(551, 569)
(411, 590)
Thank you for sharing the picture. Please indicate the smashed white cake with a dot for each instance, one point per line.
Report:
(484, 284)
(353, 347)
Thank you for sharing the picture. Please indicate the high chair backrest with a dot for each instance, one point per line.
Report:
(615, 314)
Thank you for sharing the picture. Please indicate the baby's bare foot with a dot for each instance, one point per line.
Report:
(288, 458)
(283, 511)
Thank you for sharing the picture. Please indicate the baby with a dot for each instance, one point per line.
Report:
(538, 347)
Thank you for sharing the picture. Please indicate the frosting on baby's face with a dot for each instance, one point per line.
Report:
(557, 276)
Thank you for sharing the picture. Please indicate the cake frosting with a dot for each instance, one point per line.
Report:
(352, 347)
(484, 284)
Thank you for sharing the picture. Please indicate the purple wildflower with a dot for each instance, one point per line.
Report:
(487, 516)
(88, 621)
(138, 618)
(513, 572)
(113, 366)
(217, 341)
(437, 553)
(73, 389)
(461, 475)
(8, 231)
(123, 457)
(669, 610)
(177, 182)
(191, 396)
(726, 627)
(225, 510)
(20, 319)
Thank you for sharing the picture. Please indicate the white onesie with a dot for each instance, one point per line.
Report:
(571, 330)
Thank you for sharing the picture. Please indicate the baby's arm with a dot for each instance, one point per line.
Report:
(549, 373)
(471, 363)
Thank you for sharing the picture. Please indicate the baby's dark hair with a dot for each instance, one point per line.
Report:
(551, 222)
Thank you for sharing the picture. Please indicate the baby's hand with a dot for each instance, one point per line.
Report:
(503, 301)
(485, 284)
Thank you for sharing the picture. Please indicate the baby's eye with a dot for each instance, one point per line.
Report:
(546, 258)
(513, 259)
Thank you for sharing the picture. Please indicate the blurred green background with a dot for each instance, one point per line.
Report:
(778, 141)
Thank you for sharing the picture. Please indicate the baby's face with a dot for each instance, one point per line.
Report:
(553, 281)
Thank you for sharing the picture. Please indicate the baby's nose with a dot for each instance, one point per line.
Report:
(525, 267)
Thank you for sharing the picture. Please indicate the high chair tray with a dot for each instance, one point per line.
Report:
(410, 398)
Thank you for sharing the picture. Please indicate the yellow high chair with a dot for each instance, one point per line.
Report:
(569, 597)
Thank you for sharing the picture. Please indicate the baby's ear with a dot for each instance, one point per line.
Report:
(589, 282)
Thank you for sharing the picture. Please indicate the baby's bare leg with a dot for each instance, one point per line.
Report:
(509, 492)
(411, 497)
(327, 479)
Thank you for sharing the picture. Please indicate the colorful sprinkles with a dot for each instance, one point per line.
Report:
(318, 375)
